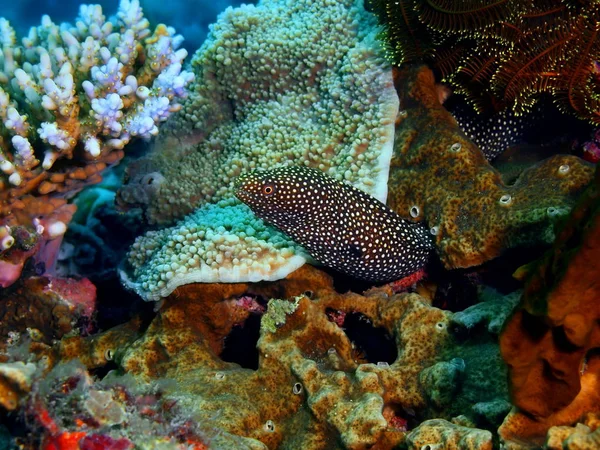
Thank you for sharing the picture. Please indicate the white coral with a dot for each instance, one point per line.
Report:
(61, 71)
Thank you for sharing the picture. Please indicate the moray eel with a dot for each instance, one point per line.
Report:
(340, 226)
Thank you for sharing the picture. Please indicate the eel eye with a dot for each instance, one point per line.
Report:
(268, 189)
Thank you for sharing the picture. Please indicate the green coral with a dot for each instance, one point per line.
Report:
(277, 312)
(280, 83)
(223, 242)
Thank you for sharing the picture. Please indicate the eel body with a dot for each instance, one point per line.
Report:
(340, 226)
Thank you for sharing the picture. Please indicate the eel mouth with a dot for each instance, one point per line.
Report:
(245, 195)
(239, 182)
(243, 188)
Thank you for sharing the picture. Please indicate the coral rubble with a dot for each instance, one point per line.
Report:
(71, 98)
(47, 308)
(438, 175)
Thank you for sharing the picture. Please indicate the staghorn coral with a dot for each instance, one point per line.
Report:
(503, 54)
(440, 176)
(71, 98)
(551, 343)
(311, 389)
(279, 83)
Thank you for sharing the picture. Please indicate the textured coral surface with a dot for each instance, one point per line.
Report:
(281, 83)
(450, 436)
(312, 388)
(584, 436)
(551, 342)
(47, 308)
(440, 176)
(241, 351)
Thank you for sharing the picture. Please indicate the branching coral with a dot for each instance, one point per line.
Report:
(279, 83)
(504, 53)
(437, 174)
(71, 98)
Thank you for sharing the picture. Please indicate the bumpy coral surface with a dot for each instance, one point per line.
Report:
(583, 436)
(47, 308)
(313, 388)
(15, 382)
(284, 82)
(438, 175)
(551, 344)
(221, 242)
(280, 83)
(437, 432)
(68, 409)
(71, 98)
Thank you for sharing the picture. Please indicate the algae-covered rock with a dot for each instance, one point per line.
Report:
(440, 434)
(277, 310)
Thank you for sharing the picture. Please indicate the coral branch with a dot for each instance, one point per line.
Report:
(71, 98)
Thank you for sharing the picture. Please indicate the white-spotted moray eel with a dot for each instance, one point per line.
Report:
(340, 226)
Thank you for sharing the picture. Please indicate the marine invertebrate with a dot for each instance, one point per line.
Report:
(71, 98)
(503, 54)
(340, 226)
(72, 410)
(312, 370)
(591, 149)
(551, 342)
(584, 435)
(48, 307)
(318, 92)
(278, 83)
(472, 213)
(449, 435)
(220, 242)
